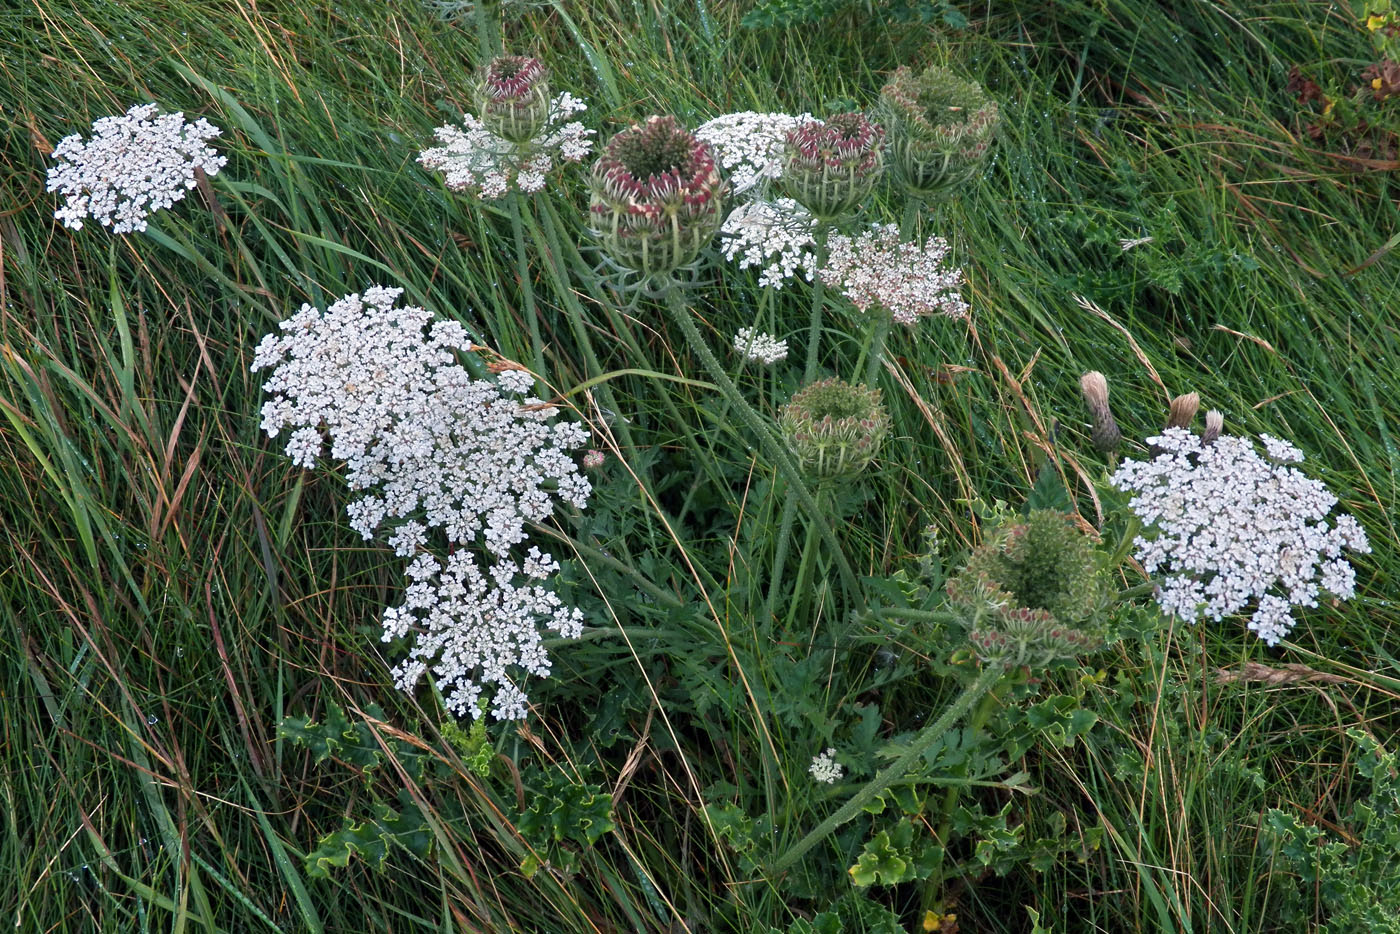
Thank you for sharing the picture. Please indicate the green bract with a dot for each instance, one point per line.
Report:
(940, 126)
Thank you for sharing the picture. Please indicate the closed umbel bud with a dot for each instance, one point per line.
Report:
(829, 167)
(834, 428)
(656, 197)
(941, 127)
(513, 97)
(1106, 435)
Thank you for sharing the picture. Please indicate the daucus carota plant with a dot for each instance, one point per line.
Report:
(518, 137)
(1231, 529)
(433, 448)
(657, 197)
(834, 428)
(830, 166)
(749, 146)
(779, 236)
(759, 347)
(877, 271)
(1032, 592)
(941, 127)
(134, 165)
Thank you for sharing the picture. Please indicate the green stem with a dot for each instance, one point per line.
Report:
(893, 772)
(799, 590)
(522, 271)
(766, 438)
(933, 887)
(814, 326)
(880, 332)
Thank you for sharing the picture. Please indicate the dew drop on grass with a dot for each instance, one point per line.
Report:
(152, 719)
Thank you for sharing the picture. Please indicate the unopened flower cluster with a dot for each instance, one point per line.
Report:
(475, 160)
(1231, 529)
(877, 270)
(433, 448)
(760, 347)
(775, 235)
(749, 146)
(825, 768)
(133, 166)
(1033, 592)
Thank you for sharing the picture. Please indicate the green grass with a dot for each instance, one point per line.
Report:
(171, 587)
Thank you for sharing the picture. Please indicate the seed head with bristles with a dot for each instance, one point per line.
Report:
(513, 97)
(1183, 410)
(830, 166)
(657, 197)
(941, 127)
(1106, 434)
(834, 428)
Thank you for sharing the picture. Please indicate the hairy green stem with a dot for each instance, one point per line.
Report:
(893, 772)
(814, 325)
(933, 886)
(767, 440)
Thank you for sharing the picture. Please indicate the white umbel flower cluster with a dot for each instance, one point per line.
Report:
(825, 768)
(760, 347)
(433, 448)
(133, 166)
(878, 270)
(478, 161)
(749, 146)
(1233, 528)
(776, 235)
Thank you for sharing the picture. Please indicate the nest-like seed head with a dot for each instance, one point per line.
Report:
(656, 196)
(834, 428)
(829, 167)
(941, 127)
(1033, 592)
(512, 94)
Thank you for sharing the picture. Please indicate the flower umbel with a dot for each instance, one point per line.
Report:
(909, 282)
(1229, 528)
(825, 768)
(657, 197)
(134, 166)
(513, 97)
(433, 448)
(835, 428)
(749, 146)
(760, 347)
(830, 167)
(941, 127)
(479, 161)
(777, 235)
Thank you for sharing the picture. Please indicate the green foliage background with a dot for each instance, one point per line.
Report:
(172, 590)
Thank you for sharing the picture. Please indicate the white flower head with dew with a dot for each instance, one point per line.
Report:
(433, 448)
(760, 347)
(749, 146)
(134, 165)
(775, 235)
(877, 270)
(825, 768)
(1229, 528)
(473, 159)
